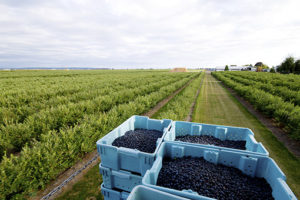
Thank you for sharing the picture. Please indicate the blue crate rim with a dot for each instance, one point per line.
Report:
(195, 195)
(219, 125)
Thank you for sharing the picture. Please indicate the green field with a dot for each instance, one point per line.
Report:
(50, 119)
(276, 95)
(215, 105)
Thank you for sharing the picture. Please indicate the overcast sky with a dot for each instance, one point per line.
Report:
(153, 33)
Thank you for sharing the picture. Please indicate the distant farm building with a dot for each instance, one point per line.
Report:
(236, 68)
(183, 69)
(230, 68)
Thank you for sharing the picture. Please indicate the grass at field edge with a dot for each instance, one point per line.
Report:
(216, 105)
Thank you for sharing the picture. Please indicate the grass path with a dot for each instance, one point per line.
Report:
(215, 105)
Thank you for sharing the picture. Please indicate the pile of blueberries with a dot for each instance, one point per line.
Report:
(207, 139)
(141, 139)
(215, 181)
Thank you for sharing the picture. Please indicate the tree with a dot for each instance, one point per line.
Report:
(297, 67)
(287, 66)
(226, 68)
(258, 64)
(272, 70)
(261, 65)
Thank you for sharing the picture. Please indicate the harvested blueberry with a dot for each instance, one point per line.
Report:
(207, 139)
(215, 181)
(140, 139)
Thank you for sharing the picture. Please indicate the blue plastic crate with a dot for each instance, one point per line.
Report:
(146, 193)
(250, 164)
(180, 128)
(110, 194)
(119, 158)
(122, 180)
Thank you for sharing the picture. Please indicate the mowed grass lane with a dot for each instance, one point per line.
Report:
(215, 105)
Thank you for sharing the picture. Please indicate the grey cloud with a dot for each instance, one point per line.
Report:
(146, 33)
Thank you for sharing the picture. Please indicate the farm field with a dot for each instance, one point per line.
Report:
(214, 105)
(50, 119)
(177, 108)
(276, 95)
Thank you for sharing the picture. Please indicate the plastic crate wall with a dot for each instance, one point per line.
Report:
(146, 193)
(110, 194)
(180, 128)
(122, 180)
(130, 159)
(250, 164)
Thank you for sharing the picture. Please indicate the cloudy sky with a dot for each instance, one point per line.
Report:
(153, 33)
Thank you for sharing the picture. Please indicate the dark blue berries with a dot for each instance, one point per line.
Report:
(142, 139)
(206, 139)
(215, 181)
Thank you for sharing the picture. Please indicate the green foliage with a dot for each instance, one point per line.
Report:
(261, 65)
(287, 66)
(226, 68)
(68, 114)
(275, 100)
(272, 70)
(297, 67)
(285, 86)
(53, 138)
(179, 107)
(265, 66)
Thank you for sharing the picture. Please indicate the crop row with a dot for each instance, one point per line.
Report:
(26, 89)
(20, 86)
(57, 150)
(282, 91)
(291, 81)
(273, 106)
(17, 109)
(179, 107)
(14, 136)
(33, 91)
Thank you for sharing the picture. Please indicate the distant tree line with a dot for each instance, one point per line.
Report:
(289, 65)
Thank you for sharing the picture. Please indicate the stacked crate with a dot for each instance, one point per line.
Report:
(122, 168)
(254, 161)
